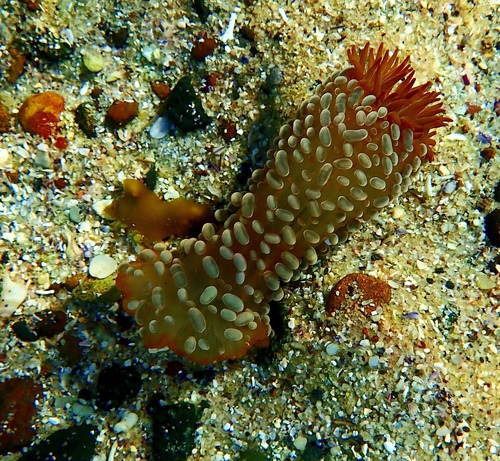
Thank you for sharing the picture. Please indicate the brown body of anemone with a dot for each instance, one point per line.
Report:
(353, 147)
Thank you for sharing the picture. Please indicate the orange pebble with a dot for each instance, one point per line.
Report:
(142, 210)
(40, 114)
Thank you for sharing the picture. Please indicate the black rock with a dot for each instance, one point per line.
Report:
(76, 443)
(183, 107)
(174, 426)
(116, 385)
(492, 227)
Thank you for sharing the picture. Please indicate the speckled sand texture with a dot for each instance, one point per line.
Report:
(418, 387)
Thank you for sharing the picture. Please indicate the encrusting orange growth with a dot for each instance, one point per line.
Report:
(40, 113)
(142, 210)
(354, 146)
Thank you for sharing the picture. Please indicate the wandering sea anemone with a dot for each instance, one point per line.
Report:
(353, 147)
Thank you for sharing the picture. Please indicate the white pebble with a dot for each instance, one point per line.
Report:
(100, 206)
(128, 422)
(159, 128)
(4, 157)
(102, 266)
(390, 447)
(332, 349)
(12, 295)
(373, 361)
(443, 431)
(300, 443)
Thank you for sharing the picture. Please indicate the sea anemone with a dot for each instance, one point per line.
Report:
(353, 147)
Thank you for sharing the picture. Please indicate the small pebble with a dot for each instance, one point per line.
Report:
(483, 282)
(159, 128)
(127, 422)
(492, 227)
(450, 187)
(373, 361)
(443, 431)
(82, 410)
(332, 349)
(12, 295)
(4, 157)
(390, 447)
(354, 290)
(42, 159)
(122, 112)
(300, 443)
(102, 266)
(75, 214)
(93, 61)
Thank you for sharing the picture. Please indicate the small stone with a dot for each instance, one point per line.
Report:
(492, 227)
(122, 112)
(127, 422)
(174, 428)
(183, 107)
(203, 47)
(12, 295)
(161, 89)
(450, 186)
(40, 113)
(443, 431)
(85, 120)
(300, 443)
(390, 447)
(5, 118)
(332, 349)
(373, 361)
(102, 266)
(17, 410)
(93, 61)
(117, 385)
(76, 442)
(4, 157)
(42, 159)
(159, 128)
(357, 290)
(75, 214)
(483, 282)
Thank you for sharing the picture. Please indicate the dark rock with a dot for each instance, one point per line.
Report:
(496, 193)
(203, 47)
(24, 332)
(52, 47)
(17, 411)
(50, 323)
(76, 443)
(85, 120)
(116, 36)
(492, 227)
(116, 385)
(46, 324)
(183, 107)
(174, 426)
(70, 350)
(201, 10)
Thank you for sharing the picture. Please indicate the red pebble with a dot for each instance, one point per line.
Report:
(40, 114)
(122, 112)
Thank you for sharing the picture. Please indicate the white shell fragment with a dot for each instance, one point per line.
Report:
(4, 157)
(159, 128)
(127, 422)
(12, 295)
(102, 266)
